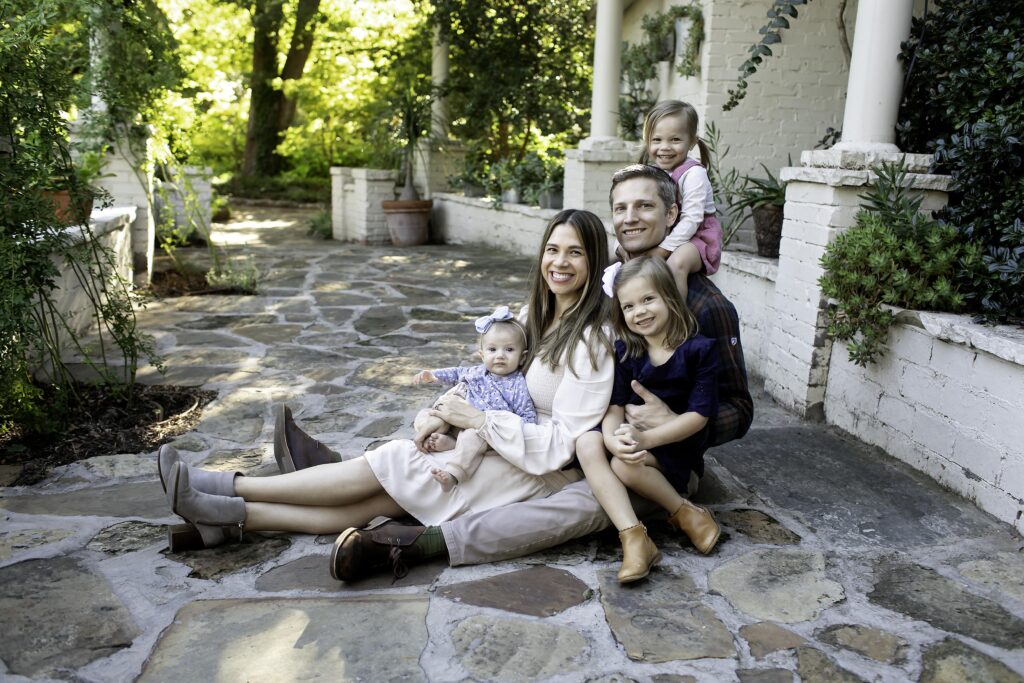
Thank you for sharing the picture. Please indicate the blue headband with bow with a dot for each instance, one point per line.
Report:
(501, 313)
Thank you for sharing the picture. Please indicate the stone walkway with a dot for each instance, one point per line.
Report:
(838, 563)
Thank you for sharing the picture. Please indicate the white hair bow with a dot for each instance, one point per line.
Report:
(500, 314)
(608, 279)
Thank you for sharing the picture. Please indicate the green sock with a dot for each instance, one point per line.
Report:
(431, 543)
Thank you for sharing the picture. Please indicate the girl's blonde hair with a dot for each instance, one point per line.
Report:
(690, 120)
(682, 324)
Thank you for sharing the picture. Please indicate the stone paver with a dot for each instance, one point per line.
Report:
(837, 563)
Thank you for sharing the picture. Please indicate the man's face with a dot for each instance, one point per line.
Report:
(639, 216)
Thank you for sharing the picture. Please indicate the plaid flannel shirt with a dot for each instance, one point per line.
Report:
(718, 320)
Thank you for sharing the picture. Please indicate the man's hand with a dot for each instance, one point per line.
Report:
(652, 413)
(457, 412)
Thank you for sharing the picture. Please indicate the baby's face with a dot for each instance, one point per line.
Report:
(502, 349)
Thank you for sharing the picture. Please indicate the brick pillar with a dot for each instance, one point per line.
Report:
(821, 202)
(128, 188)
(356, 194)
(588, 173)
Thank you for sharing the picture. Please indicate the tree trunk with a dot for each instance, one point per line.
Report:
(270, 111)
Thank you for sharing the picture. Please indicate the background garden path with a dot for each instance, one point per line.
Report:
(838, 562)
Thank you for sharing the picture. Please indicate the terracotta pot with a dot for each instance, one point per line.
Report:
(63, 209)
(408, 221)
(768, 229)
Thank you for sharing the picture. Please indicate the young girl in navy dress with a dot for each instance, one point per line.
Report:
(658, 346)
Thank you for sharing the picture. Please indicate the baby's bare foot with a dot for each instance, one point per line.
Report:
(438, 442)
(446, 480)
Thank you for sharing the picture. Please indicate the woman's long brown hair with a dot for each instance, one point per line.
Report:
(585, 320)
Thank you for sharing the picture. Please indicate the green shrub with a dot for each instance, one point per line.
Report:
(320, 226)
(897, 256)
(301, 190)
(972, 118)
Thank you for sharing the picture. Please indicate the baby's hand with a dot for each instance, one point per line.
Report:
(424, 376)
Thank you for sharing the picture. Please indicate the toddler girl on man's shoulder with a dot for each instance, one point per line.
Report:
(695, 243)
(496, 384)
(659, 347)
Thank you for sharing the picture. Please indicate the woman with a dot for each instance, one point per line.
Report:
(569, 372)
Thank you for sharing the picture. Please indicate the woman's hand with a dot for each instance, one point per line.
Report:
(627, 445)
(457, 412)
(652, 413)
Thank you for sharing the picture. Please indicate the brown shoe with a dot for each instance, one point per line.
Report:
(698, 524)
(639, 554)
(293, 448)
(359, 553)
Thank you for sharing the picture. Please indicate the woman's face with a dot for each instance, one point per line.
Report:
(564, 263)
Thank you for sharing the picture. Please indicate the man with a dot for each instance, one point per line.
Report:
(644, 207)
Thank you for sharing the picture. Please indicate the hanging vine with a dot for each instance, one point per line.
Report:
(639, 62)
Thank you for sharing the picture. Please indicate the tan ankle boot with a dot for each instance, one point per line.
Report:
(698, 524)
(639, 554)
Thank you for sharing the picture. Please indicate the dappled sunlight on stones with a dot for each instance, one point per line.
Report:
(145, 500)
(397, 341)
(537, 591)
(329, 298)
(214, 563)
(816, 667)
(216, 322)
(1004, 572)
(758, 527)
(952, 661)
(787, 585)
(206, 338)
(335, 341)
(439, 315)
(765, 637)
(57, 615)
(293, 639)
(870, 642)
(662, 618)
(378, 321)
(924, 594)
(269, 333)
(127, 537)
(384, 426)
(497, 649)
(105, 468)
(313, 573)
(764, 675)
(247, 461)
(21, 540)
(190, 442)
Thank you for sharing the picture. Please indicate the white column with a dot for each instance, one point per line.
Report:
(604, 103)
(876, 76)
(438, 76)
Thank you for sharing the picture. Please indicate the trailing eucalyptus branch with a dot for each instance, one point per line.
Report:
(770, 35)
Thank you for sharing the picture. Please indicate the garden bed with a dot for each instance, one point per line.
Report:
(104, 424)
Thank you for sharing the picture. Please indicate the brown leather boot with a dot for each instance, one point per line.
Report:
(294, 449)
(698, 524)
(359, 553)
(639, 554)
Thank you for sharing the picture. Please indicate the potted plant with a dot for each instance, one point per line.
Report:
(473, 179)
(408, 217)
(506, 174)
(73, 190)
(550, 189)
(765, 197)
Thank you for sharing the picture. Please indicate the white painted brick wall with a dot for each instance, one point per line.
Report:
(467, 220)
(356, 196)
(127, 189)
(948, 409)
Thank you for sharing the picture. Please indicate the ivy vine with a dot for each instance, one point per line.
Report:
(639, 62)
(771, 34)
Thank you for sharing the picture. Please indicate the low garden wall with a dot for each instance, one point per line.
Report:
(947, 398)
(112, 229)
(468, 220)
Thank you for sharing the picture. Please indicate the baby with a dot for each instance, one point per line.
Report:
(497, 384)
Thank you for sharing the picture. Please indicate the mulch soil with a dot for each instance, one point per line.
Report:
(101, 423)
(171, 283)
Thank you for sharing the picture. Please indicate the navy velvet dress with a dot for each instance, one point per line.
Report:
(687, 382)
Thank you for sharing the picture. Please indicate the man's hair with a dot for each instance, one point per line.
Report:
(666, 186)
